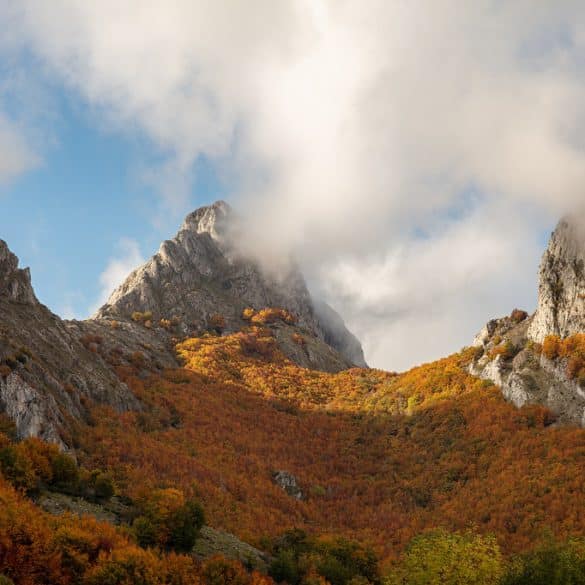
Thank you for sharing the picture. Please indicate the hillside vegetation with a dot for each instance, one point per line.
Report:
(379, 456)
(411, 466)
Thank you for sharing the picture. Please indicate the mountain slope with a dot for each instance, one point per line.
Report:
(377, 456)
(220, 406)
(47, 376)
(53, 370)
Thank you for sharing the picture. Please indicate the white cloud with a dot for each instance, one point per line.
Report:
(127, 258)
(428, 296)
(17, 156)
(351, 129)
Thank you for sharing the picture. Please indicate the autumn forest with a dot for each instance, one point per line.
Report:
(399, 476)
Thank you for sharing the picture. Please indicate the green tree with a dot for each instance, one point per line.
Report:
(300, 559)
(104, 486)
(184, 525)
(146, 531)
(552, 564)
(285, 567)
(17, 469)
(444, 558)
(343, 560)
(65, 472)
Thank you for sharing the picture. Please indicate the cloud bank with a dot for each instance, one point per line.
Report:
(410, 153)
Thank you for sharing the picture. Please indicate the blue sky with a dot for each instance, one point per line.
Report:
(66, 217)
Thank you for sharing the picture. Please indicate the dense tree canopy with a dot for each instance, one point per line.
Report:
(380, 459)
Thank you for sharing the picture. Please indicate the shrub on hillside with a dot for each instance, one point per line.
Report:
(221, 571)
(272, 315)
(505, 350)
(298, 339)
(169, 521)
(570, 349)
(104, 486)
(551, 347)
(141, 317)
(248, 313)
(518, 315)
(216, 323)
(253, 344)
(65, 473)
(184, 525)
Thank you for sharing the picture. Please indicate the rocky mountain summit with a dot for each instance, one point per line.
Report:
(201, 275)
(510, 351)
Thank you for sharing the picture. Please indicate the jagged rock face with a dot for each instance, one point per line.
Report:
(561, 291)
(47, 375)
(15, 283)
(52, 371)
(522, 373)
(201, 272)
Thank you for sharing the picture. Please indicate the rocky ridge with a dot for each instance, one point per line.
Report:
(49, 370)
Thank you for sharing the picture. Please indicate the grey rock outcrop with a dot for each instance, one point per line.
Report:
(15, 283)
(202, 272)
(288, 482)
(524, 374)
(34, 414)
(47, 374)
(561, 290)
(337, 335)
(506, 357)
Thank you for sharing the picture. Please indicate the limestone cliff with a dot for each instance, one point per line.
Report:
(561, 290)
(506, 357)
(508, 349)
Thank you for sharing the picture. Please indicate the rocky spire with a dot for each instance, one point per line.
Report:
(15, 283)
(561, 290)
(212, 220)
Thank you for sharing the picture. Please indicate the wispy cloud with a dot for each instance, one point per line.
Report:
(127, 258)
(17, 155)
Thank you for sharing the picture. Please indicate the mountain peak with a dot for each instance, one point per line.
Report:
(199, 275)
(15, 283)
(211, 219)
(561, 289)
